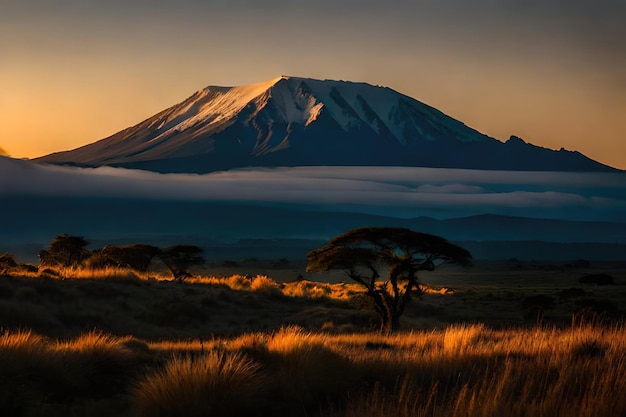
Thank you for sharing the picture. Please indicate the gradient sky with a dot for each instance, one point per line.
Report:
(552, 72)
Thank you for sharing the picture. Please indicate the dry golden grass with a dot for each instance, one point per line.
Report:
(236, 282)
(466, 370)
(200, 339)
(463, 370)
(212, 384)
(473, 371)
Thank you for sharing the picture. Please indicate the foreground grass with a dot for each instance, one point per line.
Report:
(462, 370)
(219, 346)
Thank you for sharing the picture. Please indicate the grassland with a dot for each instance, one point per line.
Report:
(514, 340)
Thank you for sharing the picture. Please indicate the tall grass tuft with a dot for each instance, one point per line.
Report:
(212, 384)
(265, 285)
(24, 356)
(307, 373)
(97, 364)
(462, 337)
(27, 368)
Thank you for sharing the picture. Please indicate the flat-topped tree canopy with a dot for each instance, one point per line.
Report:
(401, 242)
(179, 258)
(362, 252)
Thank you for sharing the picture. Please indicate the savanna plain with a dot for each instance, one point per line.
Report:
(263, 338)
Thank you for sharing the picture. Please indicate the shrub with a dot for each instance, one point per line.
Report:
(597, 279)
(307, 289)
(7, 262)
(9, 266)
(238, 282)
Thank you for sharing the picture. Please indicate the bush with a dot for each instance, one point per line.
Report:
(597, 279)
(307, 289)
(7, 262)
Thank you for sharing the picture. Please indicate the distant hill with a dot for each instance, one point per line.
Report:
(245, 230)
(283, 212)
(292, 121)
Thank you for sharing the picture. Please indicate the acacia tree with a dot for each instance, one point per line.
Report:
(179, 258)
(137, 257)
(65, 250)
(362, 254)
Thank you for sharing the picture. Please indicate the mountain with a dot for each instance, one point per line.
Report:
(291, 121)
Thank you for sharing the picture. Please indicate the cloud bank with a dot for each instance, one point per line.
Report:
(391, 191)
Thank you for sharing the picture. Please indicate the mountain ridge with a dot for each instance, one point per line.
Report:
(291, 121)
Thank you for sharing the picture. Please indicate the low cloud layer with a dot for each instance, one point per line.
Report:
(391, 191)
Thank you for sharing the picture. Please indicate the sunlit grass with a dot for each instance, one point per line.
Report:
(466, 370)
(236, 282)
(215, 383)
(460, 369)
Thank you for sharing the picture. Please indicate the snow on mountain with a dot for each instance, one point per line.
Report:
(292, 121)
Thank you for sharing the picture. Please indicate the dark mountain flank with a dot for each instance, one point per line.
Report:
(292, 121)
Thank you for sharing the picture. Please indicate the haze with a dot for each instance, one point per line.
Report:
(76, 71)
(390, 191)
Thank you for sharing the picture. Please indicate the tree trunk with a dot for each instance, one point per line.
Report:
(390, 320)
(390, 324)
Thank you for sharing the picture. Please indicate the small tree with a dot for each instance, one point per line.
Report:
(137, 257)
(362, 253)
(65, 250)
(179, 258)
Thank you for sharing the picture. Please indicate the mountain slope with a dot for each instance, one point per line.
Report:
(293, 121)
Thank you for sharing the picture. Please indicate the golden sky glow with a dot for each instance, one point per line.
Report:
(77, 71)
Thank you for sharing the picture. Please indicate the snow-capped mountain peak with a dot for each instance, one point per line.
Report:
(302, 121)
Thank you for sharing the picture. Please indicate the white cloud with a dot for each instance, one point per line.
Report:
(393, 191)
(450, 188)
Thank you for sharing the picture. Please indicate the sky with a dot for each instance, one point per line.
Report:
(551, 72)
